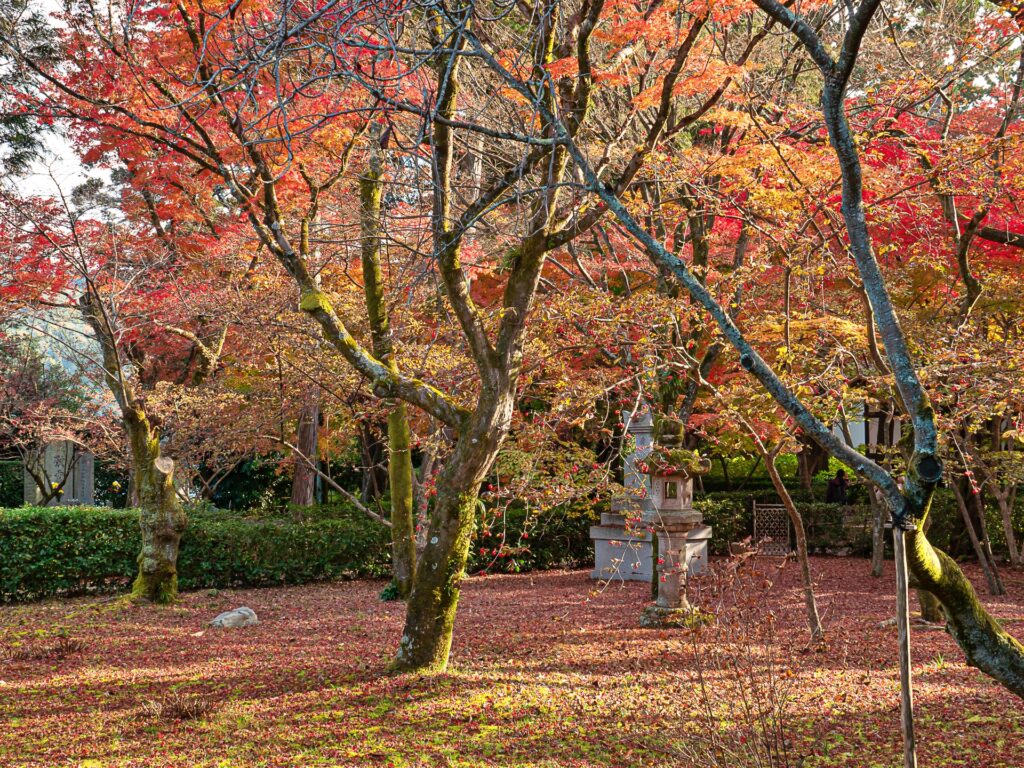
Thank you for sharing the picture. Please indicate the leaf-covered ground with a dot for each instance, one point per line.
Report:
(548, 670)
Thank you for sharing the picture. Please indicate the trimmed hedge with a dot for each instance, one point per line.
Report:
(828, 526)
(80, 550)
(64, 551)
(557, 538)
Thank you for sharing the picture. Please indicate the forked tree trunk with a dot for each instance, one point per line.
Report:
(430, 613)
(813, 620)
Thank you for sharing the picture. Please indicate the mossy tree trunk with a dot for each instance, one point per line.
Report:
(162, 519)
(931, 608)
(403, 522)
(985, 643)
(430, 616)
(403, 541)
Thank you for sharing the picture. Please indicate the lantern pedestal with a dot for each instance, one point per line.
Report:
(671, 608)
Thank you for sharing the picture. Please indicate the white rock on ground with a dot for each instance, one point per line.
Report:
(239, 617)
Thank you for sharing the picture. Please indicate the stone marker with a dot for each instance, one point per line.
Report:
(622, 545)
(240, 617)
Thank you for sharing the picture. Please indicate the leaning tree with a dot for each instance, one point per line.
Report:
(984, 641)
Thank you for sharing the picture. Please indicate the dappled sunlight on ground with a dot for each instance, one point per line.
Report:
(547, 671)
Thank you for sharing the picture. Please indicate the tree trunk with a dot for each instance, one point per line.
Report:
(430, 613)
(304, 478)
(403, 531)
(425, 477)
(811, 460)
(988, 566)
(878, 515)
(983, 640)
(931, 608)
(403, 542)
(374, 475)
(981, 515)
(161, 517)
(1005, 501)
(813, 620)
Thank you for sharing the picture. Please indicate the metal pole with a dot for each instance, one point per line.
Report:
(903, 635)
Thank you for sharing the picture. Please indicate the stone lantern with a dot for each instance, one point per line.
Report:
(682, 539)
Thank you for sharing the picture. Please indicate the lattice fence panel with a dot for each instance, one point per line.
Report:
(771, 529)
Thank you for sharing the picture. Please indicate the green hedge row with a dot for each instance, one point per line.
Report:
(46, 552)
(830, 527)
(78, 550)
(557, 538)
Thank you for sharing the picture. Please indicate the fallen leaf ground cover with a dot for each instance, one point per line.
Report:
(548, 669)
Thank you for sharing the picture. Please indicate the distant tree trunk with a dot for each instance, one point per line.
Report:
(1005, 498)
(982, 549)
(304, 478)
(981, 516)
(813, 620)
(374, 466)
(931, 608)
(811, 460)
(725, 472)
(879, 514)
(403, 531)
(423, 479)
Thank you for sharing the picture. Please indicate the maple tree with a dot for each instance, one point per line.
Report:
(41, 403)
(273, 125)
(486, 171)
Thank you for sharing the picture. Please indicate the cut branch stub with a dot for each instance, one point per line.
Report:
(928, 468)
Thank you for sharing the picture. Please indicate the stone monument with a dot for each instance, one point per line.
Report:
(622, 543)
(62, 461)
